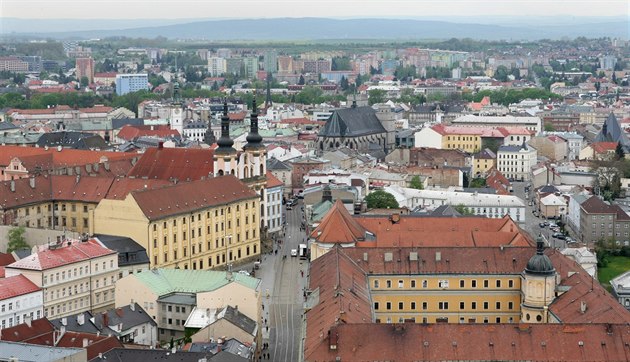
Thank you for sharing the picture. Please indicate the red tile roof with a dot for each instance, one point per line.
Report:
(24, 333)
(96, 344)
(192, 196)
(338, 226)
(16, 285)
(174, 163)
(6, 259)
(52, 258)
(64, 158)
(240, 116)
(343, 298)
(498, 181)
(272, 181)
(121, 187)
(475, 342)
(604, 147)
(129, 133)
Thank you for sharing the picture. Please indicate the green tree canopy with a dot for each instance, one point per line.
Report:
(462, 209)
(381, 200)
(376, 96)
(16, 239)
(416, 183)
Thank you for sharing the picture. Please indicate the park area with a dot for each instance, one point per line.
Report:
(615, 265)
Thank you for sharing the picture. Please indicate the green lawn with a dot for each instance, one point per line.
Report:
(616, 265)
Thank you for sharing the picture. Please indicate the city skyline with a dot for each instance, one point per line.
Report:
(225, 9)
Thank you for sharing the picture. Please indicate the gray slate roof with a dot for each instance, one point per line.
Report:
(240, 320)
(154, 355)
(275, 164)
(5, 126)
(125, 316)
(352, 122)
(25, 352)
(76, 140)
(72, 324)
(611, 132)
(129, 252)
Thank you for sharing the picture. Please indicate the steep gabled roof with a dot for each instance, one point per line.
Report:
(352, 122)
(595, 205)
(612, 132)
(338, 226)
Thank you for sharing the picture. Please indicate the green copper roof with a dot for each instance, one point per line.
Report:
(320, 209)
(164, 281)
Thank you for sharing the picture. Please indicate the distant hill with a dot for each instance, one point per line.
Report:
(321, 29)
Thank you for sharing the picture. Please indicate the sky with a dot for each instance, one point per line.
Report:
(215, 9)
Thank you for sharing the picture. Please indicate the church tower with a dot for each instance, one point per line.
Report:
(225, 154)
(538, 286)
(254, 162)
(177, 114)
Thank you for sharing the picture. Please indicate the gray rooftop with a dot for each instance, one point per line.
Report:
(240, 320)
(25, 352)
(136, 355)
(352, 122)
(126, 316)
(129, 251)
(179, 298)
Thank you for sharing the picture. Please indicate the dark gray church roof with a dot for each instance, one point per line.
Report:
(129, 251)
(72, 139)
(611, 132)
(352, 122)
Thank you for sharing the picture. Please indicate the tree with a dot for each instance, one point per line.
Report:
(416, 183)
(301, 81)
(549, 127)
(478, 182)
(85, 81)
(462, 209)
(619, 153)
(344, 83)
(376, 96)
(16, 239)
(381, 200)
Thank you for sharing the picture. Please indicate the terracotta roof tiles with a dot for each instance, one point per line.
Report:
(191, 196)
(272, 181)
(174, 163)
(53, 258)
(338, 226)
(15, 286)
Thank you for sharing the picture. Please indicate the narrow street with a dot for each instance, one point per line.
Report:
(283, 281)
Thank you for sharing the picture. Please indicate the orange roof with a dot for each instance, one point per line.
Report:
(174, 163)
(65, 157)
(338, 226)
(272, 181)
(128, 132)
(603, 147)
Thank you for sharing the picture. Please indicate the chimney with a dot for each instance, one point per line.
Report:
(160, 145)
(85, 342)
(80, 319)
(583, 307)
(31, 181)
(12, 185)
(132, 306)
(64, 321)
(28, 320)
(105, 319)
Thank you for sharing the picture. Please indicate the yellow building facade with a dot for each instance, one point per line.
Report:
(465, 142)
(482, 165)
(446, 298)
(204, 236)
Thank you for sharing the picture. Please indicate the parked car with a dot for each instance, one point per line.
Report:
(542, 225)
(294, 252)
(244, 272)
(561, 237)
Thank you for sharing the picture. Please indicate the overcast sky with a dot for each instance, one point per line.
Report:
(172, 9)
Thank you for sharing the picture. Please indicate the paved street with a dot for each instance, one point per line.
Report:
(531, 221)
(282, 286)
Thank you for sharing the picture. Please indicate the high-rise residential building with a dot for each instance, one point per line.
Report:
(251, 66)
(13, 64)
(271, 61)
(128, 83)
(233, 66)
(608, 62)
(285, 63)
(217, 66)
(85, 68)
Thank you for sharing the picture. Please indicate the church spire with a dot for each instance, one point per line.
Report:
(225, 142)
(208, 137)
(253, 138)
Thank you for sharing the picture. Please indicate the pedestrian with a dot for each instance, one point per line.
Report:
(263, 307)
(267, 328)
(302, 273)
(265, 320)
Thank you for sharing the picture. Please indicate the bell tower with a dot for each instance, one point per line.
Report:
(225, 155)
(538, 286)
(177, 114)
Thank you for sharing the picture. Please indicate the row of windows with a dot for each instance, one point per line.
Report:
(446, 320)
(444, 283)
(219, 259)
(169, 308)
(79, 304)
(192, 220)
(78, 288)
(442, 305)
(209, 243)
(463, 138)
(80, 271)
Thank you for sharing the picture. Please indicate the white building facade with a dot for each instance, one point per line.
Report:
(516, 162)
(20, 299)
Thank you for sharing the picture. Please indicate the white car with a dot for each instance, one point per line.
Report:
(244, 272)
(293, 252)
